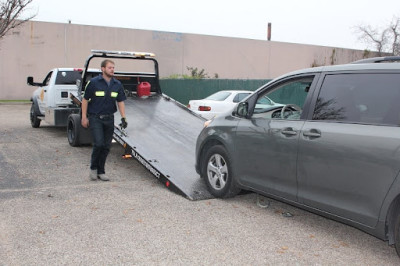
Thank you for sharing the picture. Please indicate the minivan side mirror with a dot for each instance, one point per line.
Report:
(242, 109)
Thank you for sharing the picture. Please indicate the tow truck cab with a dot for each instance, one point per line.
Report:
(51, 100)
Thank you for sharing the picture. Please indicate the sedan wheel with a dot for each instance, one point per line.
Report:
(217, 173)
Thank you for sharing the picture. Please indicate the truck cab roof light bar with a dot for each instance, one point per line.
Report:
(135, 54)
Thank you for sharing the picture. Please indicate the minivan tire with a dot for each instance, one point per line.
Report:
(397, 234)
(217, 173)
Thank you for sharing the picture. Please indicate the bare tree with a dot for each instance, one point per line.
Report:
(10, 14)
(384, 41)
(395, 30)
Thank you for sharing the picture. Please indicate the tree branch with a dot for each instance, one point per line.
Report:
(384, 41)
(10, 13)
(395, 30)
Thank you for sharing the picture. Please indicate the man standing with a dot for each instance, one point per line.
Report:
(98, 108)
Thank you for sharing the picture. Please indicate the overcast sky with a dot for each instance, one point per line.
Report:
(318, 22)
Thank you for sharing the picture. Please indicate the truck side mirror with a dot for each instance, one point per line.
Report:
(29, 80)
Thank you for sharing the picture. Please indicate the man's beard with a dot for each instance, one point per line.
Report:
(108, 75)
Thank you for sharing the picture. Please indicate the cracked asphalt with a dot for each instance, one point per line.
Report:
(52, 214)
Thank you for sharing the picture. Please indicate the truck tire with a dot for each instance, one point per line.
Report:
(35, 121)
(73, 126)
(217, 172)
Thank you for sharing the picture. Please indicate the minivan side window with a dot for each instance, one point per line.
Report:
(291, 93)
(359, 98)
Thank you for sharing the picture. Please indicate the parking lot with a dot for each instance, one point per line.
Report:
(51, 214)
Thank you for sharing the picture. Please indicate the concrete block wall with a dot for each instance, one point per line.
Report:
(36, 47)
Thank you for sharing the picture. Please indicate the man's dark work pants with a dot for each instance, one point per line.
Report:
(102, 129)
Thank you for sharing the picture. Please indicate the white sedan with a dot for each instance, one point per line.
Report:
(220, 102)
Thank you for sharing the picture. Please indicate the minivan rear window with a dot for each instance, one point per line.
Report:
(360, 98)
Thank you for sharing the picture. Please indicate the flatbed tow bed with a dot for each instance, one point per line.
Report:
(161, 133)
(162, 136)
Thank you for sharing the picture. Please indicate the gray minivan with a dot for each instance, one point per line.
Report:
(332, 147)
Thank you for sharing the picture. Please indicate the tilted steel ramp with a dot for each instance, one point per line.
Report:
(161, 135)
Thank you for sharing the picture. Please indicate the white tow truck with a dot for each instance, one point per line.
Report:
(51, 101)
(161, 134)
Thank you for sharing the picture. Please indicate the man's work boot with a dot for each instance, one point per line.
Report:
(93, 175)
(103, 177)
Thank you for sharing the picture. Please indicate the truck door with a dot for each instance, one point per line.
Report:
(44, 93)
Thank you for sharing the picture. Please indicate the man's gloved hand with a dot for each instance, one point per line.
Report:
(123, 124)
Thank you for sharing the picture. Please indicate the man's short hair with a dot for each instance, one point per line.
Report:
(106, 61)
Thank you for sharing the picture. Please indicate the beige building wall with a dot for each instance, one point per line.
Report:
(36, 47)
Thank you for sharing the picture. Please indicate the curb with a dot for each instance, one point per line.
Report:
(15, 103)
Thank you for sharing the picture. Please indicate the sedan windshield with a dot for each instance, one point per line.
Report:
(219, 96)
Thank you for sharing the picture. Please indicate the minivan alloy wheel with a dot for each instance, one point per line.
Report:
(217, 171)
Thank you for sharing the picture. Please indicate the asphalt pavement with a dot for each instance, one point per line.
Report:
(52, 214)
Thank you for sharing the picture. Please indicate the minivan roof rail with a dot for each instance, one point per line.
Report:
(378, 60)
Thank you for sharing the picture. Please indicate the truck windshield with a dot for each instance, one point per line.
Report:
(68, 77)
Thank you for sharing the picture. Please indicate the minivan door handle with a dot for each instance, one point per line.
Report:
(313, 133)
(289, 131)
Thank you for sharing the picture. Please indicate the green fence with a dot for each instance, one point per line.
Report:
(184, 90)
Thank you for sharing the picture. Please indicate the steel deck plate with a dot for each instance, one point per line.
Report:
(164, 133)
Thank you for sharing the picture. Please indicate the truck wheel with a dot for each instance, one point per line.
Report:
(73, 130)
(397, 234)
(217, 172)
(35, 121)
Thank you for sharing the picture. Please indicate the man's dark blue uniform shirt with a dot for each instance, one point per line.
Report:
(102, 97)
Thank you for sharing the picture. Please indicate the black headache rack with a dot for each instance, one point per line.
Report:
(162, 132)
(152, 78)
